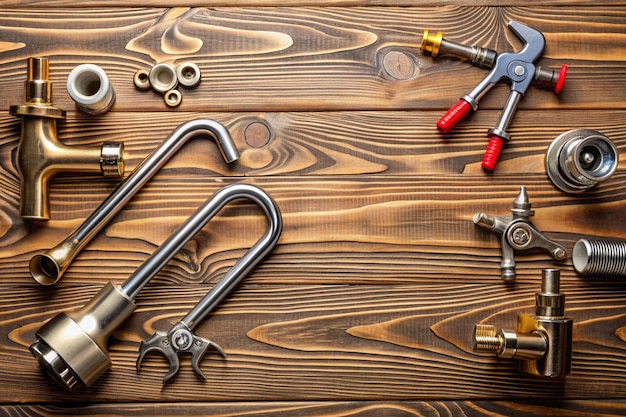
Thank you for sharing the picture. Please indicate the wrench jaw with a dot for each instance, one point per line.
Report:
(199, 347)
(160, 342)
(179, 339)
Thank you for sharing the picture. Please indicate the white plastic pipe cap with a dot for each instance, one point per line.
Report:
(89, 87)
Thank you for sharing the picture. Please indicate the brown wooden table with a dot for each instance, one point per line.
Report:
(367, 305)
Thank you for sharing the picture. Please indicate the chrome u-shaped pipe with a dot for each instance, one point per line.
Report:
(48, 268)
(72, 347)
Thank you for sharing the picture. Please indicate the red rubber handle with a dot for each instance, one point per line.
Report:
(454, 115)
(559, 83)
(492, 154)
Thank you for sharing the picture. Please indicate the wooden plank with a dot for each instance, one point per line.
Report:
(68, 4)
(346, 58)
(346, 228)
(571, 408)
(328, 342)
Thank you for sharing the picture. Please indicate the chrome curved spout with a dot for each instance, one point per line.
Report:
(72, 347)
(48, 267)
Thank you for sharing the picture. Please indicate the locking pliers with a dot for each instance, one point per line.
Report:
(517, 68)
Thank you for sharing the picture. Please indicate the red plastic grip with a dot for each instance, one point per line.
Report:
(454, 115)
(559, 83)
(492, 154)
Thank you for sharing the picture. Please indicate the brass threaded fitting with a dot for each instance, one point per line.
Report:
(431, 43)
(486, 338)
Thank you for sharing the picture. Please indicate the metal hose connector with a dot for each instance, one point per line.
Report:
(49, 267)
(600, 257)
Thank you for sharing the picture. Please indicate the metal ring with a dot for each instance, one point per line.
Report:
(188, 74)
(172, 98)
(142, 79)
(163, 77)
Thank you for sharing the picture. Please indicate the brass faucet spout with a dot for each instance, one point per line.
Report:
(40, 154)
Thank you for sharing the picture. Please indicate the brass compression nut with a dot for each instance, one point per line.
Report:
(431, 43)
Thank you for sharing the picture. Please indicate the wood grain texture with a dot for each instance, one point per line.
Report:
(366, 306)
(572, 408)
(260, 59)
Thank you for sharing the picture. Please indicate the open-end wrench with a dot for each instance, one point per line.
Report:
(180, 337)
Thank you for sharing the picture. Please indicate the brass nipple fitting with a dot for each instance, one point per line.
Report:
(40, 155)
(436, 44)
(543, 341)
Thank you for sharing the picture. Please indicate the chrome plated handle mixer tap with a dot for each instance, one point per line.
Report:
(518, 233)
(72, 347)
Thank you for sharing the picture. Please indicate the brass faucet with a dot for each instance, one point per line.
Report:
(40, 155)
(542, 342)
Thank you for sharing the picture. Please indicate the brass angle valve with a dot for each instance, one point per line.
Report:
(542, 341)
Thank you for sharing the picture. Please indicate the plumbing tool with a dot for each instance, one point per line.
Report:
(49, 267)
(518, 233)
(72, 346)
(40, 155)
(180, 337)
(543, 341)
(518, 69)
(579, 159)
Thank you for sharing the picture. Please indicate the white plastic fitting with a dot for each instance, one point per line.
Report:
(188, 74)
(163, 77)
(89, 87)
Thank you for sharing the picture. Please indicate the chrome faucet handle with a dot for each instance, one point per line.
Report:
(518, 233)
(179, 339)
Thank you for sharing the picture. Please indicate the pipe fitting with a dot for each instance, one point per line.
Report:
(580, 159)
(518, 233)
(40, 154)
(173, 98)
(543, 341)
(89, 87)
(163, 77)
(188, 74)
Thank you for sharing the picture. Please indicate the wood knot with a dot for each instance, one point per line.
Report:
(257, 134)
(399, 65)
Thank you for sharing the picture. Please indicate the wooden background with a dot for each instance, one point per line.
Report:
(366, 306)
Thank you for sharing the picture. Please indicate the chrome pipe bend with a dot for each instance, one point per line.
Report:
(49, 267)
